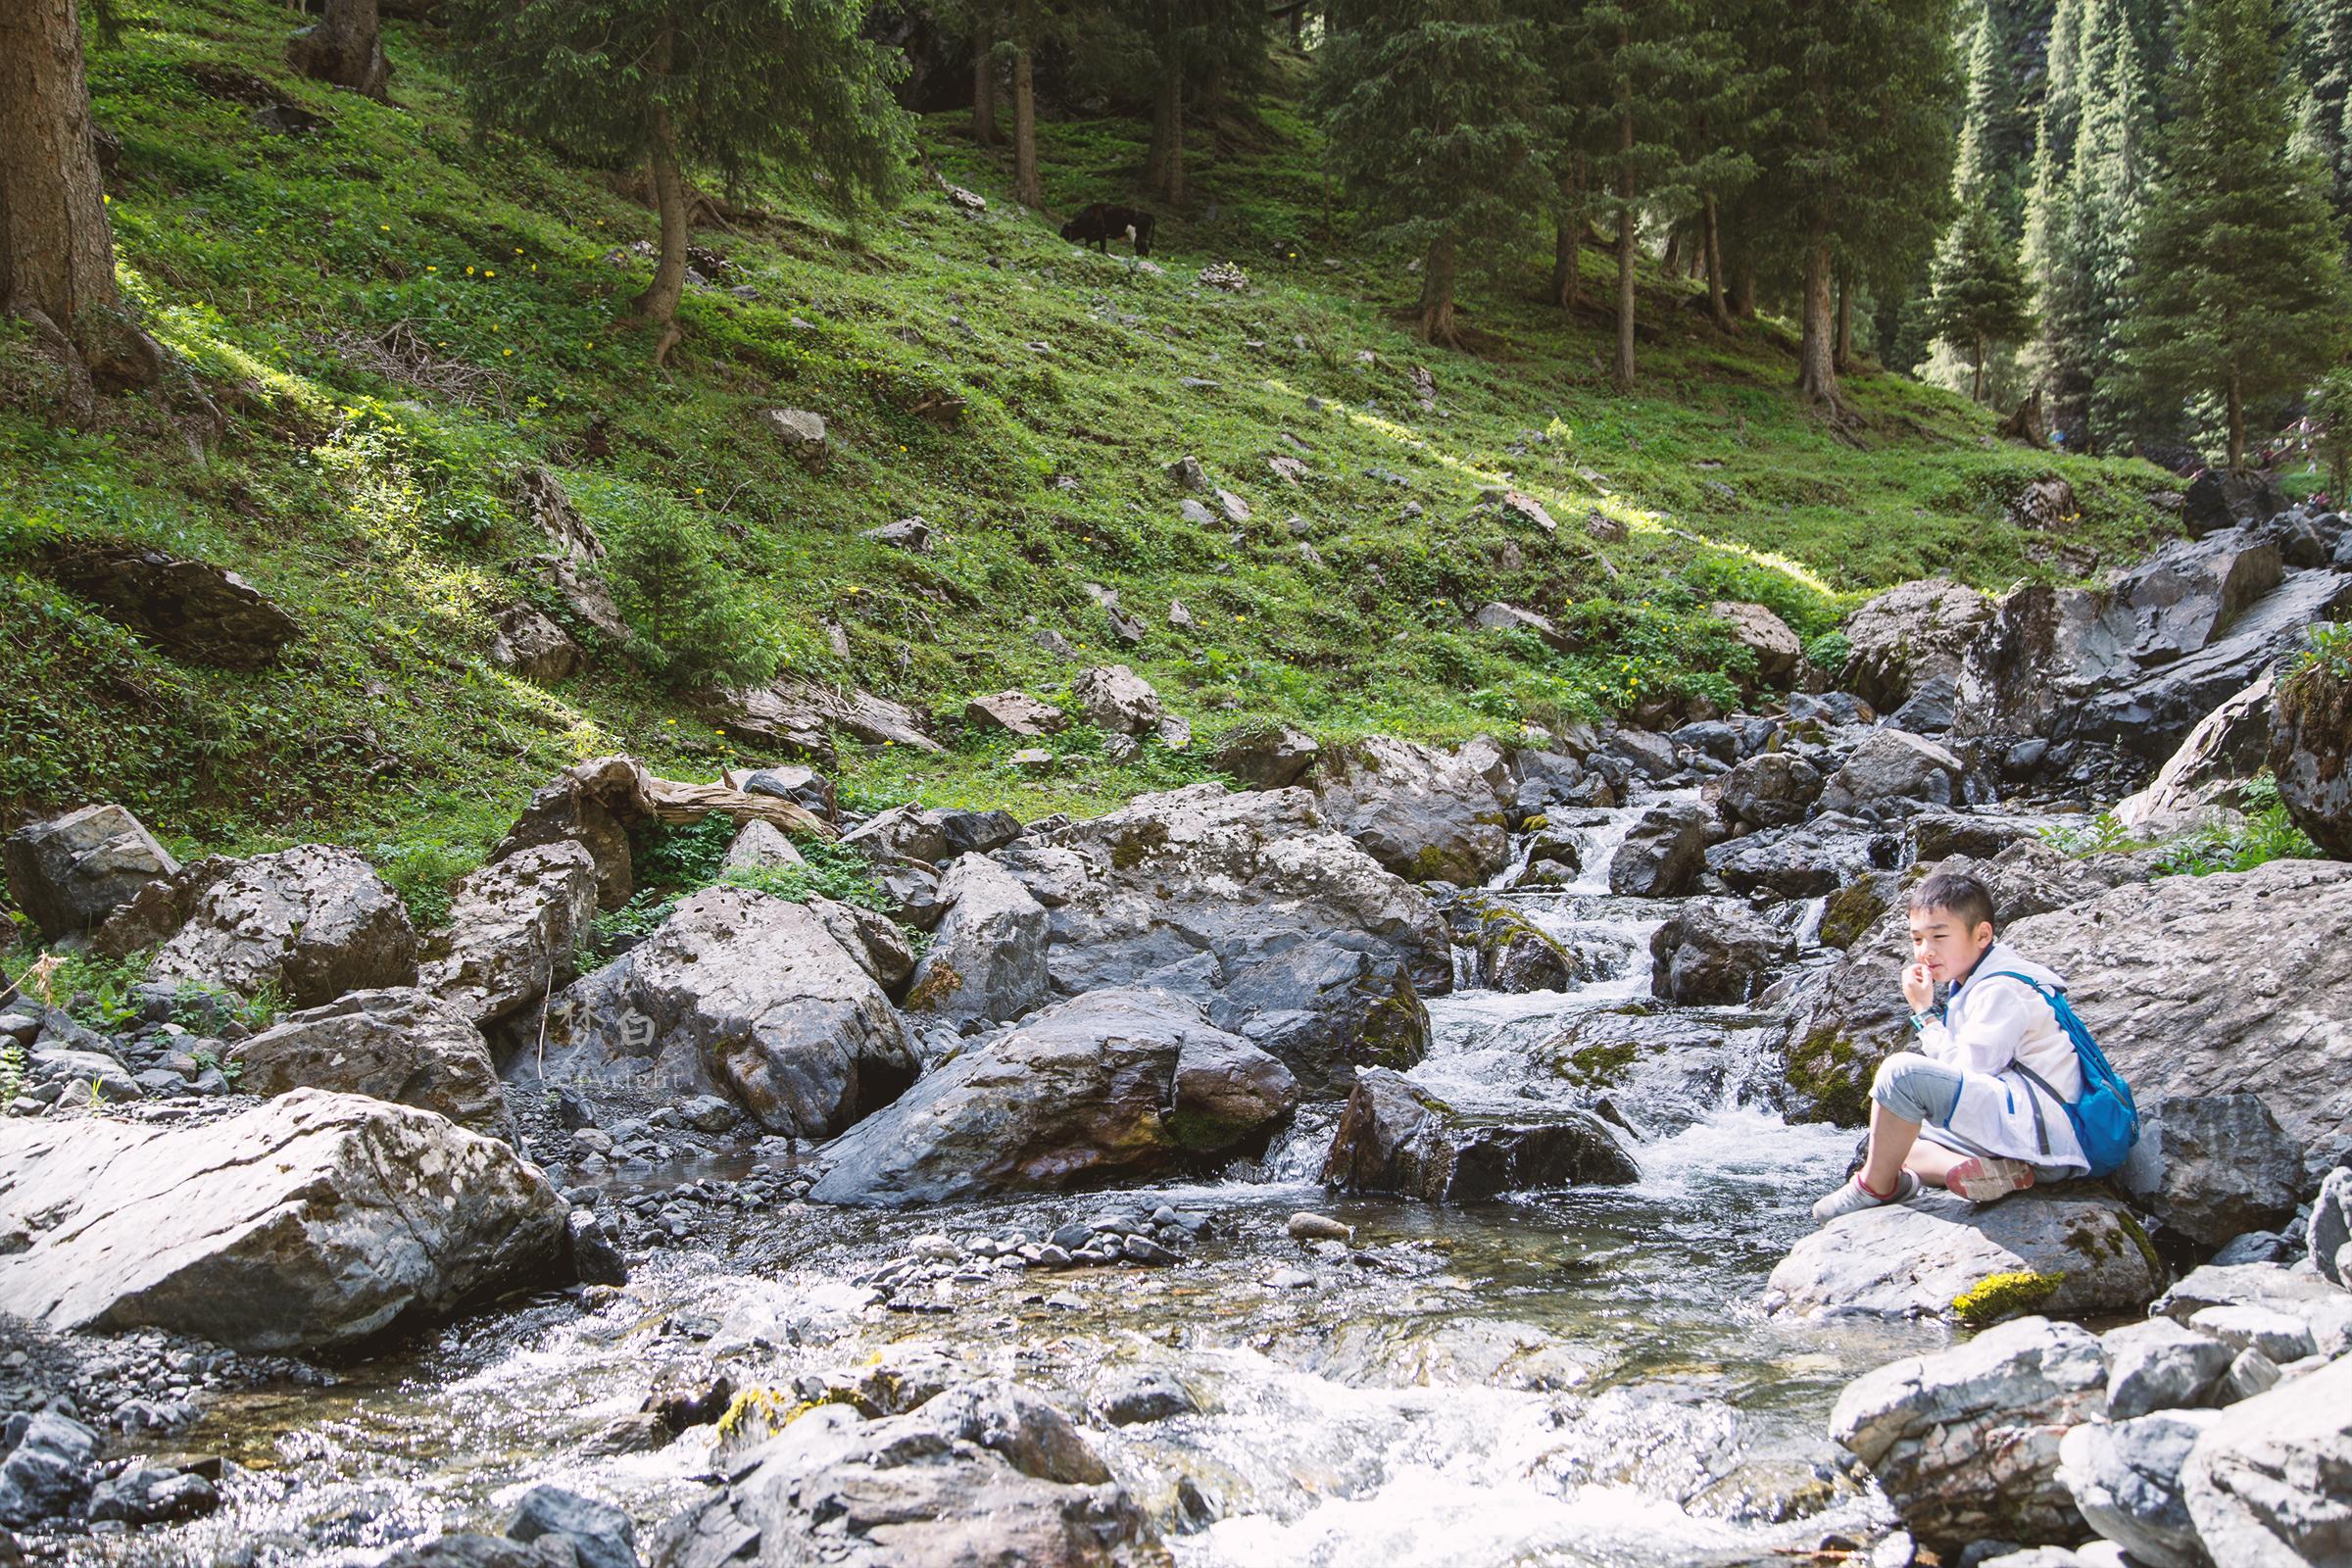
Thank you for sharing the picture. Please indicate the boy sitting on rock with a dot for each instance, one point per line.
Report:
(1979, 1108)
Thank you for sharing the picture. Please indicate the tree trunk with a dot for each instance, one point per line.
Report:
(1718, 308)
(1437, 294)
(2238, 422)
(659, 305)
(1743, 292)
(1977, 393)
(1625, 241)
(984, 89)
(57, 249)
(1025, 186)
(345, 47)
(1163, 165)
(1568, 245)
(1844, 356)
(1816, 368)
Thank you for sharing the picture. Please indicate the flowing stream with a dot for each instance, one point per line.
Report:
(1565, 1378)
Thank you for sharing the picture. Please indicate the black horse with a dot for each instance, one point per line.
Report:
(1097, 225)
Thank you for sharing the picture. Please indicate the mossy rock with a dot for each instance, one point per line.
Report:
(1833, 1076)
(1998, 1297)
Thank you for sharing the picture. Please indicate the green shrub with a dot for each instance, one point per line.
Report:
(681, 857)
(2331, 650)
(2266, 834)
(1830, 651)
(694, 625)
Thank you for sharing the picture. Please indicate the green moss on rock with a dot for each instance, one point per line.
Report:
(1832, 1077)
(1999, 1296)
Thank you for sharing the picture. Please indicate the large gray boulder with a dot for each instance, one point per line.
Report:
(1964, 1441)
(1396, 1136)
(984, 1474)
(2157, 1364)
(1266, 756)
(45, 1470)
(1758, 629)
(987, 962)
(1117, 700)
(311, 1222)
(1809, 862)
(1253, 904)
(1893, 773)
(2068, 1253)
(309, 923)
(1664, 854)
(800, 716)
(1508, 951)
(70, 872)
(403, 1044)
(193, 610)
(1715, 951)
(1663, 1072)
(2311, 754)
(2269, 1483)
(2215, 1167)
(1909, 635)
(2309, 1304)
(2329, 1231)
(513, 927)
(1772, 789)
(2275, 1019)
(1422, 813)
(2229, 743)
(2138, 664)
(2125, 1478)
(1114, 1084)
(744, 995)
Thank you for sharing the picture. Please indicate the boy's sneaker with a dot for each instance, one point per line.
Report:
(1985, 1179)
(1852, 1200)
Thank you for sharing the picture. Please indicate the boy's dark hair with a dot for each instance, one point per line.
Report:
(1958, 891)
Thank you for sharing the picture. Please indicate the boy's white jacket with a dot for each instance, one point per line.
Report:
(1989, 1025)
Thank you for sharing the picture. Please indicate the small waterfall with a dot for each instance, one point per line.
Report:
(1808, 925)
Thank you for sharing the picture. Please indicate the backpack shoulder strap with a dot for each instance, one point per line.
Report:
(2044, 991)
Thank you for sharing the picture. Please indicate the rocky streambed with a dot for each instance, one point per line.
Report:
(1405, 1159)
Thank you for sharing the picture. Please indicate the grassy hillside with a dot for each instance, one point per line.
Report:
(397, 318)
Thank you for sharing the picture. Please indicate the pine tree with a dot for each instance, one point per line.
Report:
(2109, 184)
(748, 87)
(1028, 187)
(56, 247)
(2046, 254)
(1968, 308)
(1628, 76)
(1432, 113)
(2241, 291)
(2083, 219)
(1869, 103)
(1979, 294)
(1175, 54)
(2326, 52)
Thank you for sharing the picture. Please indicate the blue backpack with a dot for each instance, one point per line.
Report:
(2105, 1120)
